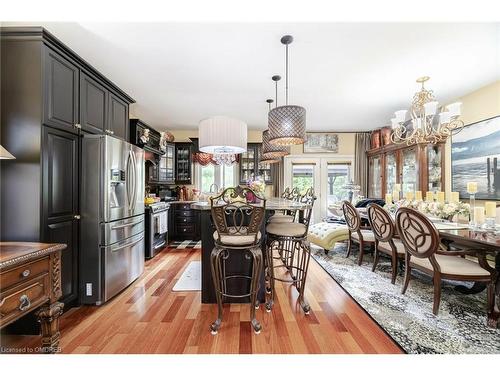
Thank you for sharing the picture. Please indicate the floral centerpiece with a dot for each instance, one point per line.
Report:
(258, 185)
(393, 207)
(446, 211)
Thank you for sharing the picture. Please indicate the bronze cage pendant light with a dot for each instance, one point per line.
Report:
(287, 123)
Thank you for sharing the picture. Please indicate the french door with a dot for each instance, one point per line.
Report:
(327, 175)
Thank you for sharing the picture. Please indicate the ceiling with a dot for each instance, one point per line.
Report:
(348, 76)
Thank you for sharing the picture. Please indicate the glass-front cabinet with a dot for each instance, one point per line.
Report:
(251, 167)
(374, 176)
(183, 163)
(416, 168)
(166, 165)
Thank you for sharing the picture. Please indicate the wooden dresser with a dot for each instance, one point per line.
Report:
(30, 279)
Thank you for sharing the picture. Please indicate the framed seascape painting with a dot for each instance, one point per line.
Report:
(475, 156)
(321, 142)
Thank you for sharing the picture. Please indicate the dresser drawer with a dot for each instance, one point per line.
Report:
(183, 206)
(184, 229)
(184, 219)
(21, 299)
(183, 213)
(24, 272)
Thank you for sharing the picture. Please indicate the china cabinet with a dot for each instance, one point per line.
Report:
(415, 168)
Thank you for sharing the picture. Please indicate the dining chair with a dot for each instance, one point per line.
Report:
(287, 243)
(423, 252)
(362, 236)
(237, 222)
(384, 230)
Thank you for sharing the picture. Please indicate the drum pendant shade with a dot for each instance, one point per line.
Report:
(287, 125)
(272, 151)
(222, 135)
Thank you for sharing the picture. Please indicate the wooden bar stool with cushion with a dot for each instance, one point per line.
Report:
(289, 241)
(422, 245)
(288, 216)
(238, 225)
(384, 230)
(356, 233)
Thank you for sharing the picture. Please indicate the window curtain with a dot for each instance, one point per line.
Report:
(278, 180)
(205, 159)
(362, 144)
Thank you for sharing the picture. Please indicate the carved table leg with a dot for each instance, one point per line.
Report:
(48, 316)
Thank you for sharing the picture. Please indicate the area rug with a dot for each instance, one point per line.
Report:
(186, 244)
(459, 328)
(190, 279)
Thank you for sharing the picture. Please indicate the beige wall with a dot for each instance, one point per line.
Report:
(479, 105)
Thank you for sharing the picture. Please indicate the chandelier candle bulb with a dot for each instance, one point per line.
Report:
(454, 197)
(444, 117)
(490, 209)
(472, 187)
(388, 198)
(454, 109)
(479, 215)
(400, 115)
(440, 196)
(431, 108)
(418, 195)
(429, 196)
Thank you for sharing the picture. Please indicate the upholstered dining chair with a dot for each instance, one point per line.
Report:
(384, 230)
(356, 232)
(238, 223)
(423, 252)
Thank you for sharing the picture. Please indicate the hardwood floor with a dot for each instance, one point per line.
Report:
(149, 317)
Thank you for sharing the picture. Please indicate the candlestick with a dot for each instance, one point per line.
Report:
(397, 187)
(491, 213)
(440, 196)
(418, 195)
(409, 195)
(454, 197)
(429, 196)
(472, 204)
(395, 195)
(479, 215)
(472, 187)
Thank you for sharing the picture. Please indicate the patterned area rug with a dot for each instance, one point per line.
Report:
(187, 244)
(460, 327)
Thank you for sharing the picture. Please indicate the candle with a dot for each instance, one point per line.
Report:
(409, 195)
(454, 197)
(479, 215)
(388, 198)
(418, 195)
(472, 187)
(440, 196)
(397, 187)
(429, 196)
(491, 209)
(395, 195)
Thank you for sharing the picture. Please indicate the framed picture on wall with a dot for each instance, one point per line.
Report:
(475, 156)
(321, 142)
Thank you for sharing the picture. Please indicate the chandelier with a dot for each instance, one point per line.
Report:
(426, 123)
(222, 135)
(224, 159)
(287, 123)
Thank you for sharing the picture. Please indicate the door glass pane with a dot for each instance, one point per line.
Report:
(302, 176)
(374, 176)
(409, 171)
(434, 167)
(338, 176)
(390, 172)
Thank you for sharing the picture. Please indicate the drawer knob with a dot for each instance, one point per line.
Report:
(26, 273)
(25, 302)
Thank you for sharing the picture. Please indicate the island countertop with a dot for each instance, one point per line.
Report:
(272, 204)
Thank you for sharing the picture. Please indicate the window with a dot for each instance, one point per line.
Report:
(338, 176)
(221, 175)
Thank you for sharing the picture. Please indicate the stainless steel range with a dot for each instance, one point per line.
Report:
(156, 228)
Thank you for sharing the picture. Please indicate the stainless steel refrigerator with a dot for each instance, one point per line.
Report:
(112, 217)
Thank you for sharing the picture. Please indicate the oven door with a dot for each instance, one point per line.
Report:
(160, 222)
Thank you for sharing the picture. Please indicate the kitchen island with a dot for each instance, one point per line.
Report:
(238, 264)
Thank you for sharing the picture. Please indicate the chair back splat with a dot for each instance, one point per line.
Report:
(351, 216)
(381, 223)
(420, 237)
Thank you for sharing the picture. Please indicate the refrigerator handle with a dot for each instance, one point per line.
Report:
(134, 194)
(129, 180)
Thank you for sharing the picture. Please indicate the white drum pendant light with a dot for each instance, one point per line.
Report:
(287, 123)
(222, 135)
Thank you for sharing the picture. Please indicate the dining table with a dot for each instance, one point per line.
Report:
(237, 263)
(477, 239)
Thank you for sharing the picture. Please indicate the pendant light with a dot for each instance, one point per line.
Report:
(222, 135)
(287, 123)
(273, 151)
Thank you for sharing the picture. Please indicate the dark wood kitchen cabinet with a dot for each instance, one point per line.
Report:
(50, 98)
(186, 222)
(250, 165)
(183, 168)
(60, 202)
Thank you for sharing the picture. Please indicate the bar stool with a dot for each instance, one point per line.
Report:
(288, 216)
(238, 223)
(289, 240)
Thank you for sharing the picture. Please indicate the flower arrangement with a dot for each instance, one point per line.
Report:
(257, 184)
(445, 211)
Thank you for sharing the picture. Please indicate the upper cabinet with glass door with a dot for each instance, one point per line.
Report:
(409, 170)
(250, 166)
(375, 177)
(391, 171)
